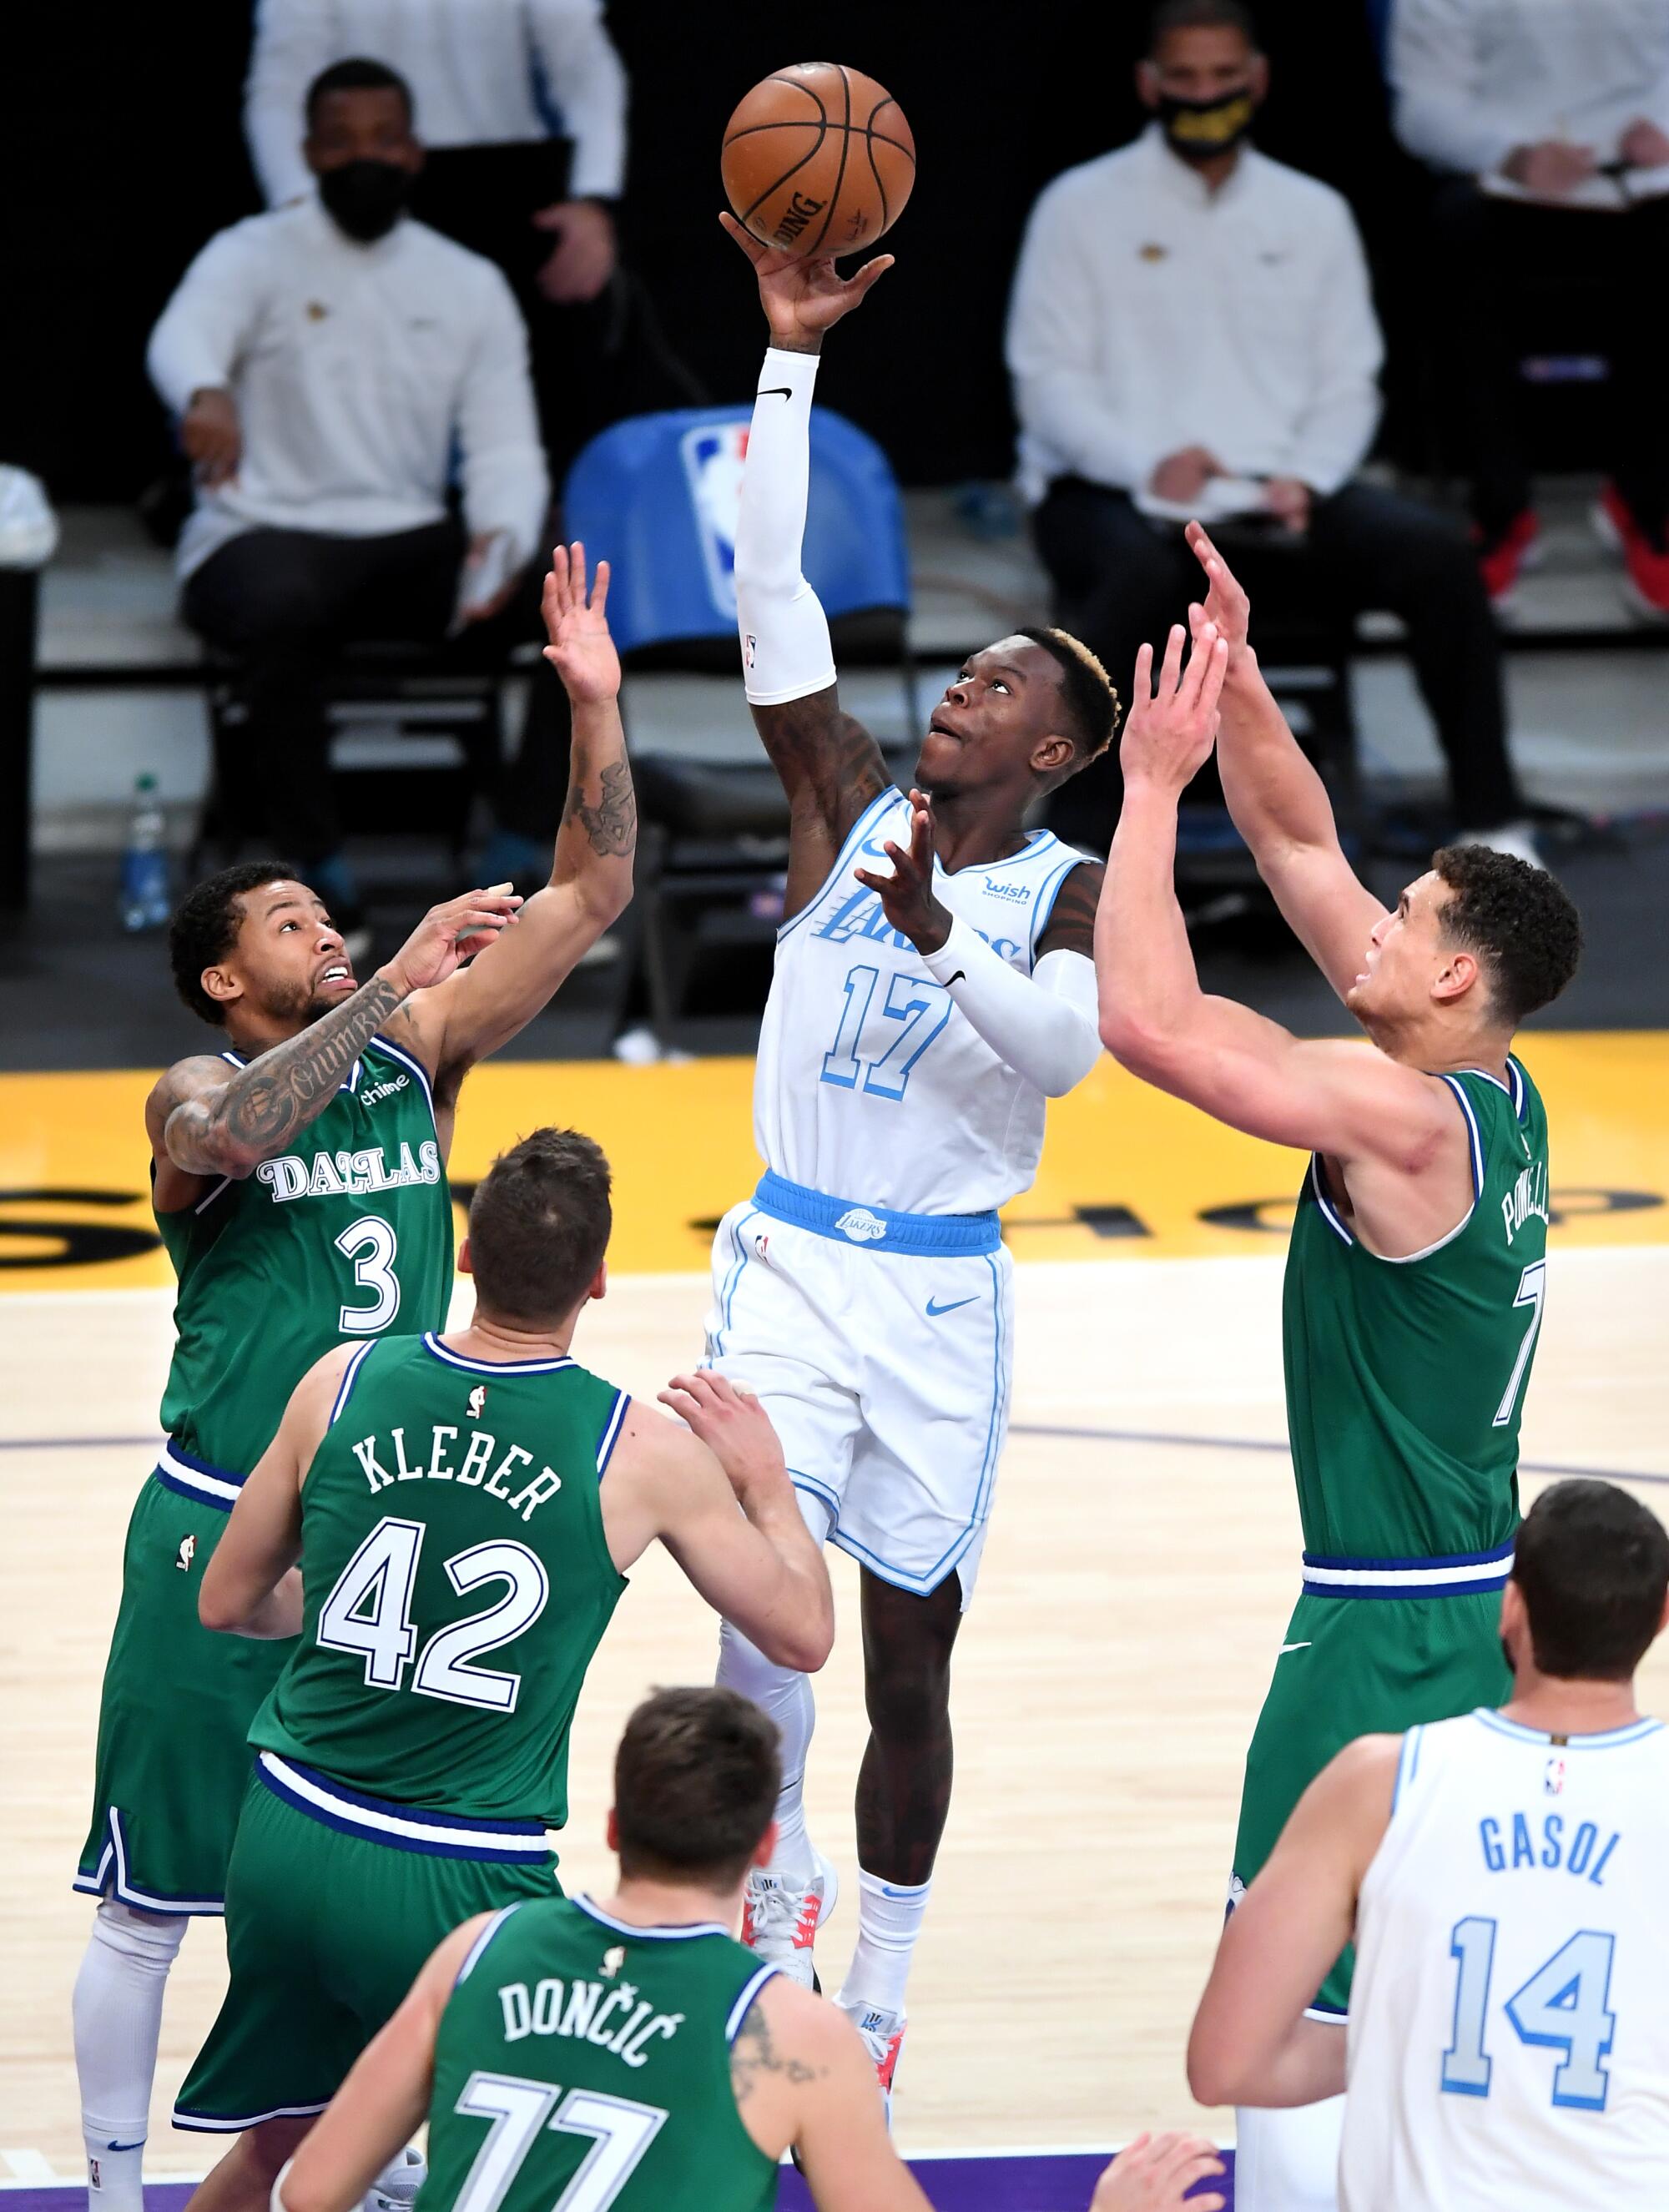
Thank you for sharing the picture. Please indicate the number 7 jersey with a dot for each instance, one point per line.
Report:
(870, 1083)
(1405, 1378)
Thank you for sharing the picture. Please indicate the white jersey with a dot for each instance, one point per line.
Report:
(1509, 2014)
(871, 1086)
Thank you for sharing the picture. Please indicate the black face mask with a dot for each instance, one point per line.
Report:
(1200, 129)
(366, 198)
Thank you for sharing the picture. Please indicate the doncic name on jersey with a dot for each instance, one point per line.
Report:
(348, 1175)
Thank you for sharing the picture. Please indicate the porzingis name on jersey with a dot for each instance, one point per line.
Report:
(1527, 1199)
(349, 1174)
(384, 1463)
(1509, 1844)
(614, 2018)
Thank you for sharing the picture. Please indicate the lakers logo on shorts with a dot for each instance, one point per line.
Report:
(861, 1226)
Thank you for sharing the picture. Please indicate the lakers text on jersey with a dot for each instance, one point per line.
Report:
(576, 2040)
(339, 1238)
(456, 1580)
(1509, 2041)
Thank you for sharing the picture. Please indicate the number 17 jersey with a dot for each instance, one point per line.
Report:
(871, 1085)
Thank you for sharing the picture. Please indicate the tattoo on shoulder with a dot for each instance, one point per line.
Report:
(818, 747)
(610, 826)
(754, 2053)
(1071, 926)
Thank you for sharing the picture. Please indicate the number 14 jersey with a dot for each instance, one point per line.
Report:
(1405, 1378)
(870, 1084)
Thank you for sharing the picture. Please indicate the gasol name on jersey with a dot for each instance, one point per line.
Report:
(616, 2018)
(348, 1175)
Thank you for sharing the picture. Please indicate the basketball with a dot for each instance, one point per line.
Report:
(817, 159)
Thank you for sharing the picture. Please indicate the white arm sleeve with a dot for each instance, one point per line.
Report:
(1045, 1025)
(786, 653)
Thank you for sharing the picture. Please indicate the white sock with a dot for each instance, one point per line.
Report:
(118, 2015)
(889, 1920)
(787, 1697)
(1288, 2161)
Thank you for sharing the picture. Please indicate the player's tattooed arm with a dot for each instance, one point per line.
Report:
(830, 768)
(757, 2054)
(1072, 923)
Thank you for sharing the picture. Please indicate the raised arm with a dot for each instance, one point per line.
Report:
(758, 1567)
(479, 1008)
(1348, 1101)
(249, 1587)
(830, 767)
(207, 1118)
(1278, 802)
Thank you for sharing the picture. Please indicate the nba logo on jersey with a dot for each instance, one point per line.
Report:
(713, 455)
(477, 1399)
(1553, 1779)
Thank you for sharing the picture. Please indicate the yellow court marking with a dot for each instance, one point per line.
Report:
(1126, 1172)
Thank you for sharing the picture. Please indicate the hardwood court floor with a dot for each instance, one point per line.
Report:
(1134, 1593)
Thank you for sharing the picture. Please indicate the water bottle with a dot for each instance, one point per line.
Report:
(145, 896)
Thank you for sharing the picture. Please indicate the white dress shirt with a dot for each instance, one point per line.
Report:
(1472, 79)
(477, 69)
(1149, 313)
(356, 370)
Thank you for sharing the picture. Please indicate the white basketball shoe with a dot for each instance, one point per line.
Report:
(883, 2038)
(780, 1921)
(396, 2187)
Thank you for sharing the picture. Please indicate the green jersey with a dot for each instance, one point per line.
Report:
(456, 1581)
(1405, 1378)
(340, 1236)
(573, 2040)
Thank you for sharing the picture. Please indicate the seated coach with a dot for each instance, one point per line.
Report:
(331, 365)
(1191, 334)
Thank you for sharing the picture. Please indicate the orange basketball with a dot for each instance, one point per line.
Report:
(817, 159)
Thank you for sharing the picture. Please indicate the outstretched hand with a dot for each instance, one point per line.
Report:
(803, 295)
(581, 649)
(906, 896)
(1169, 734)
(1226, 606)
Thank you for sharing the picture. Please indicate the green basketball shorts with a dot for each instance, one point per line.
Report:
(1359, 1666)
(177, 1700)
(333, 1901)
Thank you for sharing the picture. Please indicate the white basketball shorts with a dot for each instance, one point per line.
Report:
(879, 1344)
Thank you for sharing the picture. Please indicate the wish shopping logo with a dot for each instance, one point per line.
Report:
(713, 455)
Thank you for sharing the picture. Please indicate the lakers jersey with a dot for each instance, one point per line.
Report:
(871, 1083)
(1509, 2036)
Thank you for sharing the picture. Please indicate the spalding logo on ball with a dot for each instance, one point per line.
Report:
(817, 159)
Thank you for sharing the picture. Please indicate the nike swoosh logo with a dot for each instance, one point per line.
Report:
(1292, 1647)
(934, 1311)
(960, 977)
(775, 391)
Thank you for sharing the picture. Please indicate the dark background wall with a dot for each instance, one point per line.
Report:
(124, 152)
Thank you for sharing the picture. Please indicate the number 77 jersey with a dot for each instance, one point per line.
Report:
(1406, 1378)
(1509, 2034)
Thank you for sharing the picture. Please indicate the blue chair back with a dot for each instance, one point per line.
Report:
(656, 496)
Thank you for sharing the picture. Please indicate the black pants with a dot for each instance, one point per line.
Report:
(1491, 254)
(285, 602)
(1122, 580)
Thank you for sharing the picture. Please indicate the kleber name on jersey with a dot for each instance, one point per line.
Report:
(383, 1461)
(348, 1175)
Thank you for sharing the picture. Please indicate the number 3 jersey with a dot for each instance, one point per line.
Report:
(1509, 2033)
(456, 1581)
(871, 1085)
(1405, 1378)
(345, 1233)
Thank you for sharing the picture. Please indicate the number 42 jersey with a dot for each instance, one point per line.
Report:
(1509, 2036)
(871, 1083)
